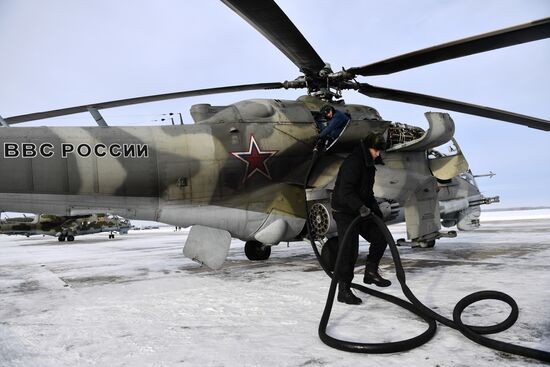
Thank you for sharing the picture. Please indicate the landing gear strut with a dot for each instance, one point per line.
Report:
(256, 251)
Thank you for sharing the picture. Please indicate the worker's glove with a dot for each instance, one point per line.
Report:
(364, 211)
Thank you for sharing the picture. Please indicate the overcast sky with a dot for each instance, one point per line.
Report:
(57, 54)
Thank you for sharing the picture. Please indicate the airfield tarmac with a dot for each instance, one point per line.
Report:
(137, 301)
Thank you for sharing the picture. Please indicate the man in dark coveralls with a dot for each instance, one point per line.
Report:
(352, 196)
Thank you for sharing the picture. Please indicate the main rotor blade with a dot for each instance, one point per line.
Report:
(274, 24)
(448, 104)
(138, 100)
(532, 31)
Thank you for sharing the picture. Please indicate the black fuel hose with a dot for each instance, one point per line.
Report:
(474, 333)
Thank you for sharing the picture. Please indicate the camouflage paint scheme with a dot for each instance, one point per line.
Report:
(239, 168)
(63, 226)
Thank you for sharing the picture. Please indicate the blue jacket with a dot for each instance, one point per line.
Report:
(335, 125)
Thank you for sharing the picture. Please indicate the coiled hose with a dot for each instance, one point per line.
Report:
(472, 332)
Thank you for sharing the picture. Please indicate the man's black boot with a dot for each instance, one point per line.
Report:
(345, 295)
(373, 277)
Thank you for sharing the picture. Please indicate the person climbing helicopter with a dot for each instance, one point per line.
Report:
(336, 123)
(353, 195)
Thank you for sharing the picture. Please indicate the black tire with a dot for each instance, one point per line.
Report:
(256, 251)
(70, 238)
(329, 252)
(61, 238)
(430, 244)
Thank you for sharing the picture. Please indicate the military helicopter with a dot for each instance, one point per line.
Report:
(65, 228)
(238, 171)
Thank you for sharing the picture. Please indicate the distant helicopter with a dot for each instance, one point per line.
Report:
(65, 227)
(239, 170)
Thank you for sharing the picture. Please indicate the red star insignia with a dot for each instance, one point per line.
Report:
(255, 159)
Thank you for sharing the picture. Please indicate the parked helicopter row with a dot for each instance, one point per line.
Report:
(239, 170)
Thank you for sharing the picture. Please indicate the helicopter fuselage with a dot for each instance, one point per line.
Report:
(239, 168)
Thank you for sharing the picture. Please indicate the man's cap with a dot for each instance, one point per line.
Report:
(375, 141)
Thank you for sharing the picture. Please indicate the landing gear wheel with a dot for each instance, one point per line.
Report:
(70, 238)
(256, 251)
(329, 252)
(427, 244)
(111, 236)
(61, 238)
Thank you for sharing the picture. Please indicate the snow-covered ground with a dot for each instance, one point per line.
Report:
(515, 214)
(136, 301)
